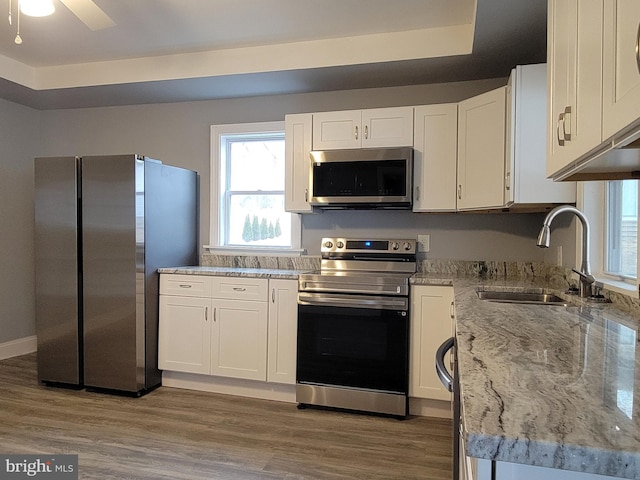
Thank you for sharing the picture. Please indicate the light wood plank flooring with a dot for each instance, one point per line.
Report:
(181, 434)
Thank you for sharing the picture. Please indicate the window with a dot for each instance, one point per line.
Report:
(247, 188)
(612, 209)
(621, 229)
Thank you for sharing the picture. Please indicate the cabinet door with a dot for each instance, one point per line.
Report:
(297, 146)
(283, 328)
(239, 339)
(431, 325)
(387, 127)
(481, 150)
(621, 79)
(574, 81)
(434, 158)
(184, 336)
(334, 130)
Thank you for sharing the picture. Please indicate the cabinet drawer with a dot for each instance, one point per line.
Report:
(185, 285)
(236, 288)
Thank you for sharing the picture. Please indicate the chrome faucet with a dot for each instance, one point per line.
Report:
(586, 279)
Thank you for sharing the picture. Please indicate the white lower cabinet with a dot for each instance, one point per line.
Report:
(184, 339)
(518, 471)
(239, 339)
(283, 331)
(431, 325)
(228, 326)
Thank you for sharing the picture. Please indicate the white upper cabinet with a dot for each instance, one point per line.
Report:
(525, 177)
(621, 65)
(481, 150)
(435, 157)
(297, 149)
(378, 127)
(574, 81)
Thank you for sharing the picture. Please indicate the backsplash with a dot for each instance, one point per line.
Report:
(553, 276)
(304, 262)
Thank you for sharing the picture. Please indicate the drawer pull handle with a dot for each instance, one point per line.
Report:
(239, 289)
(206, 314)
(356, 133)
(214, 314)
(273, 295)
(184, 285)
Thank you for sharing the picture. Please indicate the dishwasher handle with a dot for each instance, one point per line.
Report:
(441, 370)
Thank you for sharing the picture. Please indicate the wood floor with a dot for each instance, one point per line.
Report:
(181, 434)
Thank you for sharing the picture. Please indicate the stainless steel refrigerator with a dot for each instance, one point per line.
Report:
(103, 226)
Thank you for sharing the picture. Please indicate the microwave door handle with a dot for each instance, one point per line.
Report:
(443, 374)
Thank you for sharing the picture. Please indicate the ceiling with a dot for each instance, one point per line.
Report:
(185, 50)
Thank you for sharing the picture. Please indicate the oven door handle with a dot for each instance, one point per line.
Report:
(445, 377)
(360, 301)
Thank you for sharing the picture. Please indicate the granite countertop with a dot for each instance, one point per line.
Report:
(549, 386)
(235, 272)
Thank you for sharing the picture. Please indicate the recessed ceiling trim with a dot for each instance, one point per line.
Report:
(363, 49)
(17, 72)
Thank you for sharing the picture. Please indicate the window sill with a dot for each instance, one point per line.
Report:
(270, 251)
(617, 286)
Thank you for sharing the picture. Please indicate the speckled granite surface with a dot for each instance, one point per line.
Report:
(234, 272)
(547, 385)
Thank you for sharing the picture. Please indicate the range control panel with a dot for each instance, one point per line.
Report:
(349, 245)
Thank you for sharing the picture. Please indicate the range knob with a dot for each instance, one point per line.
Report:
(395, 246)
(328, 244)
(340, 244)
(407, 246)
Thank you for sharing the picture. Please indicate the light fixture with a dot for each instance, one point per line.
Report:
(37, 8)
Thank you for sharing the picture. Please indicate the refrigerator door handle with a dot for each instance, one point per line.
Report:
(445, 377)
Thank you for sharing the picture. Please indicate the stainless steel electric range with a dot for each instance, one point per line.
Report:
(353, 326)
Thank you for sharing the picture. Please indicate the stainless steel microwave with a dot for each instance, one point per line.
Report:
(362, 178)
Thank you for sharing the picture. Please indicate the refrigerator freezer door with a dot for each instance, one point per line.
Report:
(58, 283)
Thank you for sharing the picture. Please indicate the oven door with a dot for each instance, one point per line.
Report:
(354, 341)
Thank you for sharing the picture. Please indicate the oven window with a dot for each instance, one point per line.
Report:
(353, 347)
(361, 179)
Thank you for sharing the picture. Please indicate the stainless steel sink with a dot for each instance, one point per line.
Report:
(537, 298)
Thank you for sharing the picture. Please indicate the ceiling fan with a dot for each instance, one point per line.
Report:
(86, 11)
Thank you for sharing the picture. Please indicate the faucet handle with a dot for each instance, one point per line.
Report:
(585, 278)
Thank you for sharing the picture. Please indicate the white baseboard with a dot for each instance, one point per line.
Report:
(21, 346)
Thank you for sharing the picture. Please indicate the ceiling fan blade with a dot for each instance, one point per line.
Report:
(90, 14)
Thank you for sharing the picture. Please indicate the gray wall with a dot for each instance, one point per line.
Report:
(19, 138)
(179, 134)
